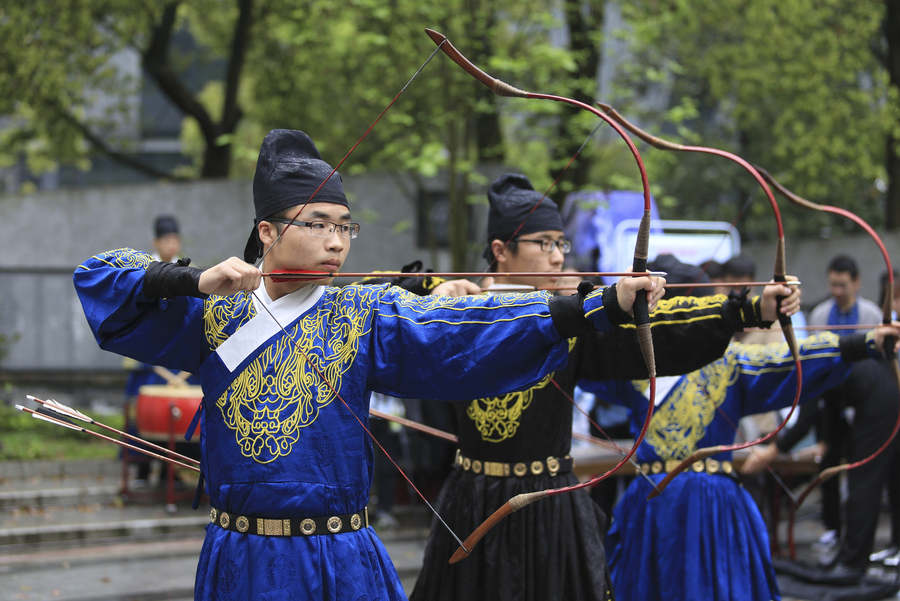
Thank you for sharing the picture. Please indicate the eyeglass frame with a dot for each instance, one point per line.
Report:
(548, 245)
(307, 224)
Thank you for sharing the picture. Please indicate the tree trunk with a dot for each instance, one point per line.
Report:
(216, 161)
(582, 26)
(488, 136)
(891, 157)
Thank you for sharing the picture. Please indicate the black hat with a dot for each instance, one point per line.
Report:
(518, 209)
(288, 171)
(740, 266)
(680, 273)
(164, 225)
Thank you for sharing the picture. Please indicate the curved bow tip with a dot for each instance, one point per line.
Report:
(436, 36)
(458, 555)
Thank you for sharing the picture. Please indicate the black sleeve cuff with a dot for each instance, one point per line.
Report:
(741, 312)
(614, 312)
(854, 347)
(568, 317)
(165, 280)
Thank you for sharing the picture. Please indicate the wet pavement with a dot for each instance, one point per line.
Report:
(66, 534)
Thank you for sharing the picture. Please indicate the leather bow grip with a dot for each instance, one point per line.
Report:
(641, 307)
(779, 277)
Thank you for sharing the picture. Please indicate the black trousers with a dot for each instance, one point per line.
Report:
(875, 396)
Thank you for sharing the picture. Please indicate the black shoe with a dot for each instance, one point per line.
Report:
(841, 573)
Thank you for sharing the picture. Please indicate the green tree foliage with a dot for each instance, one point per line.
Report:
(324, 67)
(66, 95)
(794, 86)
(333, 78)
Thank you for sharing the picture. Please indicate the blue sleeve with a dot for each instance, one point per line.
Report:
(595, 311)
(462, 348)
(767, 378)
(167, 332)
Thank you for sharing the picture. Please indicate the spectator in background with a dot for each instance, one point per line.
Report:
(891, 555)
(166, 238)
(871, 391)
(739, 268)
(715, 271)
(845, 307)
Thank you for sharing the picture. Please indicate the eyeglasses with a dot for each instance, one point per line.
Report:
(548, 245)
(321, 229)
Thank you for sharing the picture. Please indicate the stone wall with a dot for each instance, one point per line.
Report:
(46, 235)
(809, 258)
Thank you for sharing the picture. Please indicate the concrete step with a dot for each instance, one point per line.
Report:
(37, 559)
(116, 579)
(136, 571)
(71, 493)
(19, 538)
(12, 472)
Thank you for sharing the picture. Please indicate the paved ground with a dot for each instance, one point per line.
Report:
(65, 534)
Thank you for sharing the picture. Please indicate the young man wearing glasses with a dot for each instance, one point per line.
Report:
(519, 442)
(287, 467)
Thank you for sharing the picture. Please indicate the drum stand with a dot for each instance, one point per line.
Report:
(171, 496)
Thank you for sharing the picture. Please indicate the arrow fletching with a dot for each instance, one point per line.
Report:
(51, 420)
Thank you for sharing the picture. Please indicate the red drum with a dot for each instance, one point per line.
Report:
(154, 413)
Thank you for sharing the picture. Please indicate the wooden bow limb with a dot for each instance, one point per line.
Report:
(886, 312)
(641, 311)
(779, 276)
(49, 418)
(592, 439)
(71, 413)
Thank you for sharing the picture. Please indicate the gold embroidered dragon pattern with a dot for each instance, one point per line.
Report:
(498, 418)
(278, 393)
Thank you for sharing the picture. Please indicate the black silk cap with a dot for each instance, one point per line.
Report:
(288, 171)
(514, 202)
(164, 225)
(678, 272)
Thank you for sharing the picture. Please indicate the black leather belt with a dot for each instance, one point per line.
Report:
(499, 469)
(247, 524)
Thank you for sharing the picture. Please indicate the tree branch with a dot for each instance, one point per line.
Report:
(120, 157)
(155, 62)
(231, 112)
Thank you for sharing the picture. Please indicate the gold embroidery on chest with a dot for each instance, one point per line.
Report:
(681, 421)
(498, 418)
(279, 393)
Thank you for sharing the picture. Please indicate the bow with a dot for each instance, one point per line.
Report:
(888, 344)
(641, 312)
(779, 276)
